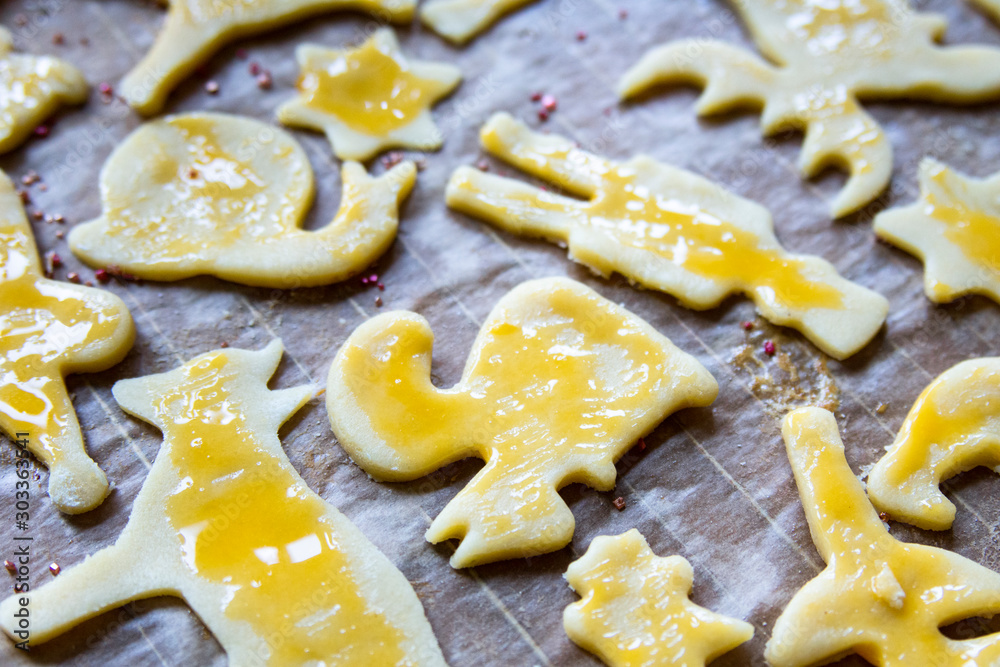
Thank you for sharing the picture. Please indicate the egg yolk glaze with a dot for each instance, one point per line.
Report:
(635, 610)
(47, 329)
(953, 426)
(559, 384)
(880, 598)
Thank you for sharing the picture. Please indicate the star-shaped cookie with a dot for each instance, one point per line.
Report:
(635, 610)
(370, 98)
(880, 598)
(823, 57)
(667, 229)
(31, 89)
(214, 194)
(224, 522)
(954, 228)
(560, 383)
(195, 29)
(47, 330)
(461, 20)
(953, 426)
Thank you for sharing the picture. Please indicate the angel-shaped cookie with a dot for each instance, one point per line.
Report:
(31, 89)
(461, 20)
(47, 330)
(825, 56)
(953, 426)
(666, 229)
(195, 29)
(278, 575)
(560, 383)
(880, 598)
(370, 98)
(635, 610)
(222, 195)
(954, 228)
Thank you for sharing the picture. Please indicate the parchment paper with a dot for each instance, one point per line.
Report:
(714, 485)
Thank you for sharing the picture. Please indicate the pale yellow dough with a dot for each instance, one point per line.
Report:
(635, 610)
(559, 384)
(224, 522)
(823, 56)
(991, 6)
(31, 89)
(954, 228)
(195, 29)
(461, 20)
(878, 597)
(222, 195)
(666, 229)
(370, 98)
(953, 426)
(49, 329)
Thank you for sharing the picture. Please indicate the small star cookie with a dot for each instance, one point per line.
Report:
(880, 598)
(224, 521)
(221, 195)
(953, 426)
(31, 89)
(635, 610)
(954, 228)
(461, 20)
(666, 229)
(195, 29)
(370, 98)
(822, 56)
(559, 384)
(48, 329)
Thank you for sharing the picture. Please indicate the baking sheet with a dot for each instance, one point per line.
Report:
(713, 485)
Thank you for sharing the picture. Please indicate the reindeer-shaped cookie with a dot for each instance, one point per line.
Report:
(880, 598)
(223, 521)
(31, 89)
(49, 329)
(954, 228)
(195, 29)
(667, 229)
(824, 56)
(559, 384)
(461, 20)
(208, 193)
(953, 426)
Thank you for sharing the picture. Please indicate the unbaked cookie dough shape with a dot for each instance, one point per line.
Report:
(460, 20)
(822, 57)
(208, 193)
(992, 7)
(880, 598)
(370, 98)
(954, 228)
(953, 426)
(31, 89)
(559, 384)
(49, 329)
(635, 610)
(196, 29)
(666, 229)
(224, 521)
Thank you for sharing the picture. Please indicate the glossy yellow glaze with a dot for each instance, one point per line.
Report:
(834, 26)
(43, 324)
(635, 611)
(278, 555)
(975, 232)
(878, 597)
(369, 89)
(632, 214)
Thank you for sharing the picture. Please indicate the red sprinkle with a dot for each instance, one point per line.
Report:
(56, 260)
(381, 287)
(224, 344)
(102, 276)
(619, 503)
(378, 302)
(10, 566)
(106, 88)
(549, 102)
(535, 97)
(212, 87)
(25, 197)
(622, 14)
(73, 277)
(241, 54)
(483, 165)
(642, 444)
(543, 115)
(581, 35)
(373, 278)
(42, 131)
(58, 38)
(769, 348)
(748, 325)
(254, 68)
(54, 569)
(264, 80)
